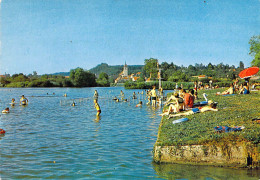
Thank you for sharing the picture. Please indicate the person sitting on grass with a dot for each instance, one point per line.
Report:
(244, 89)
(171, 98)
(211, 107)
(176, 107)
(230, 90)
(189, 99)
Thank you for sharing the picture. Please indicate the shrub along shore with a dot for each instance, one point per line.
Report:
(236, 110)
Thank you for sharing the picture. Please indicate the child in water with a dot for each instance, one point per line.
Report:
(97, 107)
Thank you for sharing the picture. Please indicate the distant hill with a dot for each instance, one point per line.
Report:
(110, 70)
(115, 70)
(62, 73)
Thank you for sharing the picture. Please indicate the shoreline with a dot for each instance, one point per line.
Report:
(205, 147)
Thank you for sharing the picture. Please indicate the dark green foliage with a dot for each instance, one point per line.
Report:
(82, 78)
(151, 68)
(255, 50)
(103, 80)
(40, 83)
(234, 110)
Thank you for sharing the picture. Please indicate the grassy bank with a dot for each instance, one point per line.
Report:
(234, 110)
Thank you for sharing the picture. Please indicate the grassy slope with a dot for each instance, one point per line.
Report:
(233, 111)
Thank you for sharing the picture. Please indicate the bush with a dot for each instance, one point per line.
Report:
(18, 84)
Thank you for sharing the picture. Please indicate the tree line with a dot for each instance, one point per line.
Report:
(78, 78)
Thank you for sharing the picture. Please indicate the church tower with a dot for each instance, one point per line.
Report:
(125, 74)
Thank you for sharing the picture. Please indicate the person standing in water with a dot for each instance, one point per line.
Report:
(23, 100)
(122, 94)
(95, 95)
(13, 102)
(134, 95)
(153, 95)
(97, 107)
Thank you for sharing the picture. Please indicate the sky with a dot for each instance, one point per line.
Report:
(49, 36)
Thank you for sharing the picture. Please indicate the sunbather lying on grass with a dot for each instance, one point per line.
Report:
(220, 129)
(211, 107)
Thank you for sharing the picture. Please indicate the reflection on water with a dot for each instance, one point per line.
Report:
(177, 171)
(49, 138)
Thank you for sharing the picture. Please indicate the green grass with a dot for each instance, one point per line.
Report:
(235, 110)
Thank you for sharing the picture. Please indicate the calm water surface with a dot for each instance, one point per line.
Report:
(51, 139)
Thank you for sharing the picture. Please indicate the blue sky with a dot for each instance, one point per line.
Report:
(50, 36)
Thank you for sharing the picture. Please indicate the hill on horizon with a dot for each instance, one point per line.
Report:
(61, 73)
(115, 69)
(109, 69)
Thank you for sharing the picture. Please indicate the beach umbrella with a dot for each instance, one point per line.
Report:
(247, 73)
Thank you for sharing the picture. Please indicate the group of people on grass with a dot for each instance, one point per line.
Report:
(183, 101)
(234, 88)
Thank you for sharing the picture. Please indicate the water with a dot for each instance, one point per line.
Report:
(51, 139)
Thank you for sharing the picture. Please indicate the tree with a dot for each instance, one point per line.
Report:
(210, 66)
(34, 73)
(241, 65)
(255, 50)
(103, 76)
(150, 67)
(81, 78)
(103, 79)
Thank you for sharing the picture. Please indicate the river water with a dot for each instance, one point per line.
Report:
(49, 138)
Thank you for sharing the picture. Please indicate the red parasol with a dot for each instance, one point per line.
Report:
(246, 73)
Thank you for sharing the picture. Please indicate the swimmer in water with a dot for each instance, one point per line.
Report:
(13, 102)
(73, 104)
(65, 95)
(139, 104)
(97, 107)
(115, 98)
(6, 110)
(23, 100)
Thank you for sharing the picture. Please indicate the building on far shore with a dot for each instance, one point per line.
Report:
(123, 76)
(202, 77)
